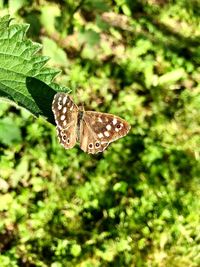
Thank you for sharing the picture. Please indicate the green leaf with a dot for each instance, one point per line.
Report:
(15, 5)
(49, 13)
(75, 250)
(57, 55)
(23, 77)
(171, 77)
(96, 5)
(9, 132)
(126, 10)
(90, 37)
(120, 187)
(5, 201)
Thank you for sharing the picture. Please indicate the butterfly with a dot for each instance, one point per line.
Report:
(94, 130)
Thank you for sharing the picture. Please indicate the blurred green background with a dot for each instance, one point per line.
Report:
(138, 203)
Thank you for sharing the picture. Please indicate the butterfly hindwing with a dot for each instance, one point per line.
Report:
(65, 114)
(88, 140)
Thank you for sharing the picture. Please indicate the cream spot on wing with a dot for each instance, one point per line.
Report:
(116, 130)
(64, 100)
(62, 117)
(100, 135)
(71, 107)
(99, 119)
(64, 110)
(108, 127)
(60, 98)
(114, 121)
(106, 134)
(64, 123)
(59, 107)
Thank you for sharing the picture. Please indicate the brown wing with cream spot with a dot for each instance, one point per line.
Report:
(98, 129)
(65, 113)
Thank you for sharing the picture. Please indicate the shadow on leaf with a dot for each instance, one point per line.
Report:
(43, 97)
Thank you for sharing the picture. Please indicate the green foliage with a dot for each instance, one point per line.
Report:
(18, 65)
(10, 134)
(137, 204)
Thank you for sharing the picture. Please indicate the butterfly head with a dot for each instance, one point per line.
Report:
(81, 108)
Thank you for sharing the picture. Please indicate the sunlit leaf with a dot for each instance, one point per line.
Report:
(20, 63)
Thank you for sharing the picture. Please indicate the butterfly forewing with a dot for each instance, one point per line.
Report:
(97, 130)
(65, 114)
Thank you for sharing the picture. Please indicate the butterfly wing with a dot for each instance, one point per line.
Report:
(98, 130)
(65, 113)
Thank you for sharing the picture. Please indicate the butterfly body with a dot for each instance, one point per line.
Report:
(93, 130)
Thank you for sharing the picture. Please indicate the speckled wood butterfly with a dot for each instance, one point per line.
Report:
(94, 130)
